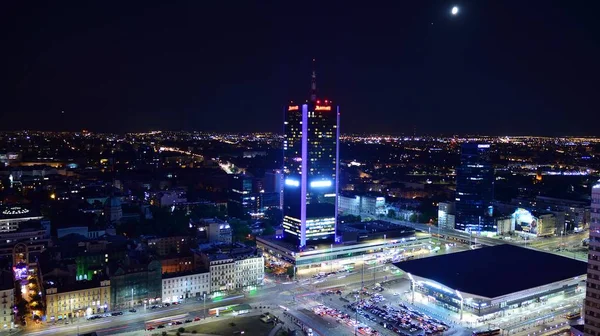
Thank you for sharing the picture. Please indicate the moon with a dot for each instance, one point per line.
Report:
(454, 10)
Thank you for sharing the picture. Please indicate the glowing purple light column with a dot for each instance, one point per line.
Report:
(304, 177)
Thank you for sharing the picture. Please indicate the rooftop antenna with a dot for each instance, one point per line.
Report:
(313, 83)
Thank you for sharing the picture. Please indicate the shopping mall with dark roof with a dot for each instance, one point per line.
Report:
(491, 279)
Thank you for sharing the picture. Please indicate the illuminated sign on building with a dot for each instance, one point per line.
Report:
(293, 108)
(323, 108)
(292, 183)
(320, 184)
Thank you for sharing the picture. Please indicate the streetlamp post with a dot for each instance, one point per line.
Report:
(362, 275)
(204, 310)
(331, 256)
(461, 303)
(412, 287)
(131, 297)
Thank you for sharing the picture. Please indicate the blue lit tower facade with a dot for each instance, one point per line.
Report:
(474, 189)
(311, 149)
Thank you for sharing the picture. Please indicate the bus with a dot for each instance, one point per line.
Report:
(573, 315)
(492, 332)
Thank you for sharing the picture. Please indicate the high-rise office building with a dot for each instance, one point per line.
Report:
(249, 197)
(311, 149)
(592, 293)
(241, 201)
(474, 189)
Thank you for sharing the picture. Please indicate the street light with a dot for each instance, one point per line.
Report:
(331, 256)
(412, 286)
(461, 303)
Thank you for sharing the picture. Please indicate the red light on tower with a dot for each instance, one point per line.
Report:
(325, 101)
(318, 102)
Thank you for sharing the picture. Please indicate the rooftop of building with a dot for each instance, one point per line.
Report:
(185, 253)
(206, 221)
(376, 226)
(352, 193)
(496, 270)
(221, 251)
(62, 287)
(326, 245)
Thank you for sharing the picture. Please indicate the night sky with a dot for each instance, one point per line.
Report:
(499, 67)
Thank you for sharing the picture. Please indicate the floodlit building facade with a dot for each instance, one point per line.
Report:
(180, 286)
(311, 150)
(83, 298)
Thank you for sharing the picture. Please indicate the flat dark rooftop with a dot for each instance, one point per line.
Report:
(496, 270)
(375, 226)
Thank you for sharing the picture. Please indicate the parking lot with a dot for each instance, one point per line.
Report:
(371, 313)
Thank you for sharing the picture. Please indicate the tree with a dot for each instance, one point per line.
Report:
(268, 231)
(240, 228)
(349, 219)
(391, 213)
(413, 218)
(290, 271)
(273, 216)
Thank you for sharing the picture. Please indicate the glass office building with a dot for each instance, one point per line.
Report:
(311, 149)
(474, 189)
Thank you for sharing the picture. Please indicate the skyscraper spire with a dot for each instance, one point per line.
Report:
(313, 84)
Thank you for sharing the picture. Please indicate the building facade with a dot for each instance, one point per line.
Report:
(213, 230)
(180, 286)
(234, 270)
(248, 196)
(220, 232)
(249, 272)
(135, 284)
(311, 150)
(241, 199)
(361, 205)
(571, 215)
(83, 298)
(474, 189)
(113, 210)
(592, 293)
(446, 215)
(166, 198)
(222, 273)
(7, 297)
(168, 245)
(177, 263)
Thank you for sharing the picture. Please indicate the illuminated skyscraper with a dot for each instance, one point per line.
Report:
(592, 292)
(311, 149)
(474, 189)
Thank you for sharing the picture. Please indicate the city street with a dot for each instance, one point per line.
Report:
(136, 321)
